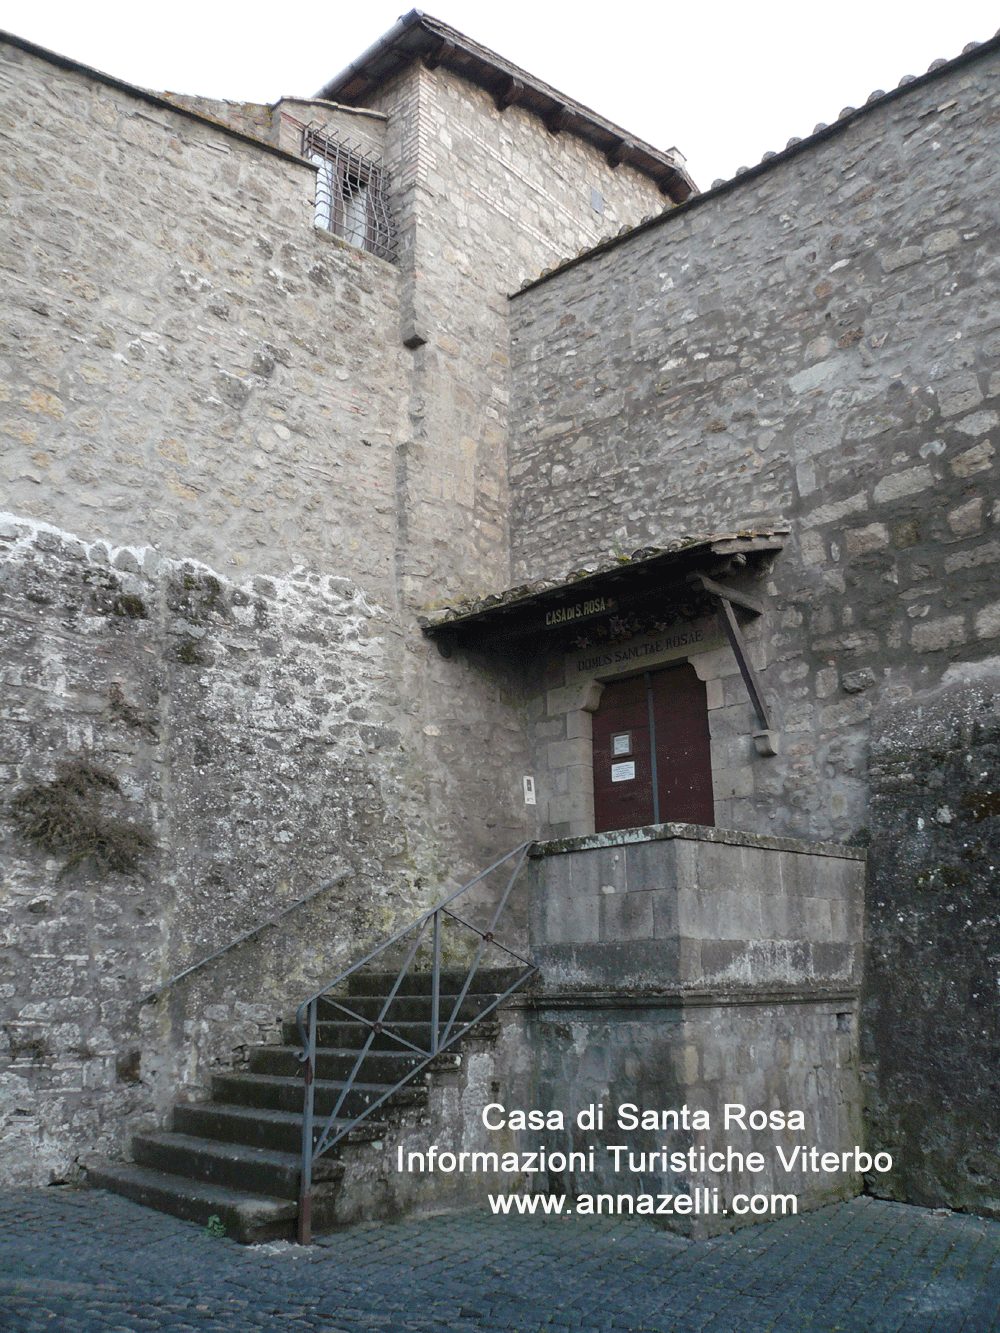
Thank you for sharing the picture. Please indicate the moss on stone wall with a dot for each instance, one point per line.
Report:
(931, 1033)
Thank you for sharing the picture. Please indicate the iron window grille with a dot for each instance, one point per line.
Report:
(352, 194)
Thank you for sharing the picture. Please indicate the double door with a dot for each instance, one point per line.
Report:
(652, 753)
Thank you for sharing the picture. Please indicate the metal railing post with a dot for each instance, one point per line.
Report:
(439, 1041)
(436, 984)
(308, 1099)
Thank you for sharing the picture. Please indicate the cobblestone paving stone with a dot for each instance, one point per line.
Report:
(89, 1262)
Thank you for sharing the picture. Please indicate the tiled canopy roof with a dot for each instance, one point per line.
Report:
(653, 566)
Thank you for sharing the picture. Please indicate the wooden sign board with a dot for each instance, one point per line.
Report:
(683, 638)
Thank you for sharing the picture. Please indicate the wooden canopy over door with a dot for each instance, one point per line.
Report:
(652, 753)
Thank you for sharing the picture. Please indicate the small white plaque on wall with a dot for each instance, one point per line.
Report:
(623, 772)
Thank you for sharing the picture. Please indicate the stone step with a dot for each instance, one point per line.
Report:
(403, 1009)
(275, 1093)
(492, 980)
(262, 1171)
(386, 1067)
(280, 1131)
(247, 1218)
(352, 1034)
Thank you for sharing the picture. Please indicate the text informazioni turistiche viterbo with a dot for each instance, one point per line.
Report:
(700, 1172)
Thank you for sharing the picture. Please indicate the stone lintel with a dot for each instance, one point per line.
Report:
(837, 998)
(694, 833)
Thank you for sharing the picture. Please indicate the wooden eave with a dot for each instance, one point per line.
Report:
(418, 36)
(654, 576)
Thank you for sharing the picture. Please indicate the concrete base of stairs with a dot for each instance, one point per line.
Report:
(247, 1218)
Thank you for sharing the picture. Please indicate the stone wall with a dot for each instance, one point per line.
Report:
(818, 342)
(931, 1032)
(186, 360)
(244, 728)
(676, 906)
(660, 1056)
(281, 123)
(202, 400)
(483, 200)
(689, 967)
(256, 733)
(254, 118)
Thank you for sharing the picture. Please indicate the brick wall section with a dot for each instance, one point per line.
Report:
(821, 343)
(483, 200)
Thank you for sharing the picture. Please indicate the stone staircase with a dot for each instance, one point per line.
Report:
(237, 1156)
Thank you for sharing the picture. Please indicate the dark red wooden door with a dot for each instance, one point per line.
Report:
(683, 747)
(674, 701)
(622, 799)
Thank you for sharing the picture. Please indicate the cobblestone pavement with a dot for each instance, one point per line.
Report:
(80, 1261)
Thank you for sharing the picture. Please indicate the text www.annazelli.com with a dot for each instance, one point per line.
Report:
(701, 1202)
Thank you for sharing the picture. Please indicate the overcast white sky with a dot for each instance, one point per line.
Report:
(723, 82)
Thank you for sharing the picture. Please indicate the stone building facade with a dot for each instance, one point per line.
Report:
(230, 448)
(319, 556)
(816, 343)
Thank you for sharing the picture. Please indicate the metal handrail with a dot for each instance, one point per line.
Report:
(440, 1040)
(240, 939)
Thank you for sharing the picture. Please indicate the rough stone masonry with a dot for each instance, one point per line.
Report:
(225, 479)
(819, 340)
(240, 453)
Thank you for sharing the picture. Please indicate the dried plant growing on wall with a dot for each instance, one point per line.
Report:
(69, 817)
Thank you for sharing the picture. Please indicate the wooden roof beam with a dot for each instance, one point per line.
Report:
(440, 55)
(558, 118)
(511, 93)
(752, 604)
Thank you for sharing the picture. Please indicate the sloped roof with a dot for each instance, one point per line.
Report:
(647, 568)
(165, 101)
(937, 69)
(418, 36)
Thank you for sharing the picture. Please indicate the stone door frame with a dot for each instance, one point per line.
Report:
(567, 779)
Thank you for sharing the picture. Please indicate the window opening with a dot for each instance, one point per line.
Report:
(352, 189)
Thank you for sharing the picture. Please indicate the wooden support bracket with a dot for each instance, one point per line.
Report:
(739, 647)
(620, 153)
(727, 594)
(438, 56)
(511, 93)
(557, 119)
